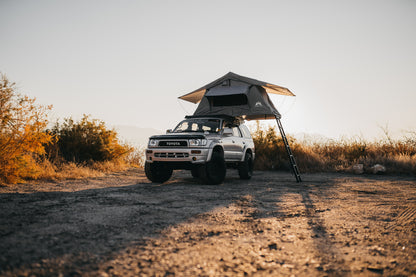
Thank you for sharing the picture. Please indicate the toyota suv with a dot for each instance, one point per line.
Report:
(205, 145)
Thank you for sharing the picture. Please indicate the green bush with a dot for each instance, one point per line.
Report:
(87, 140)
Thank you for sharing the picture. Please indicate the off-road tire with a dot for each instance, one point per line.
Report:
(245, 168)
(157, 173)
(213, 172)
(196, 172)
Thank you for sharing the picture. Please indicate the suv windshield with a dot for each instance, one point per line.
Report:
(198, 125)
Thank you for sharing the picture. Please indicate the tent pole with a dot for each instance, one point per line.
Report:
(293, 164)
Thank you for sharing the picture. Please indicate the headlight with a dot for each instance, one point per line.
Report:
(197, 142)
(152, 142)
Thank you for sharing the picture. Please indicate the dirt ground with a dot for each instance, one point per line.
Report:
(123, 225)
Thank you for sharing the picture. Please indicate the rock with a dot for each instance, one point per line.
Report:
(376, 269)
(378, 169)
(272, 246)
(377, 250)
(358, 168)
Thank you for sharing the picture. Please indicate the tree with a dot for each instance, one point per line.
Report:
(22, 133)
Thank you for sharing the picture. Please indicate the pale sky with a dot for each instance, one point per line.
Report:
(351, 64)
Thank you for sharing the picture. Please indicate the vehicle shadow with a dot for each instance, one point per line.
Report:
(95, 223)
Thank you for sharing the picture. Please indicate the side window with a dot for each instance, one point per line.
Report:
(245, 131)
(236, 132)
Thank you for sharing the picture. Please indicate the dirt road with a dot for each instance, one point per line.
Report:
(331, 224)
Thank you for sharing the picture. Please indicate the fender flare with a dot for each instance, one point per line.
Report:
(246, 149)
(211, 150)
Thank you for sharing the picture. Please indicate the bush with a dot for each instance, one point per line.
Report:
(86, 141)
(22, 135)
(270, 149)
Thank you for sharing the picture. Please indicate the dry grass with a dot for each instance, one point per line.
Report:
(68, 170)
(397, 155)
(136, 157)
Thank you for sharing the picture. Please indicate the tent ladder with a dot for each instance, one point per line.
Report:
(289, 152)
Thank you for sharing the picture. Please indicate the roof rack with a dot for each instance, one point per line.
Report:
(224, 116)
(232, 119)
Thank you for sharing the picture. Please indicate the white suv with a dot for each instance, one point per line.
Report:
(204, 145)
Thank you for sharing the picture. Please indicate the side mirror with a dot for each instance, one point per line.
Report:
(168, 131)
(227, 132)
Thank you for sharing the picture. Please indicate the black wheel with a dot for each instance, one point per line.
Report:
(213, 172)
(245, 169)
(195, 172)
(157, 173)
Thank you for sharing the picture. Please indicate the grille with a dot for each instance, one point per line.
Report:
(174, 143)
(171, 155)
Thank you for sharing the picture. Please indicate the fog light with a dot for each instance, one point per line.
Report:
(150, 158)
(194, 158)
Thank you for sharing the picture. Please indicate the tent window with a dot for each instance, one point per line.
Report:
(229, 100)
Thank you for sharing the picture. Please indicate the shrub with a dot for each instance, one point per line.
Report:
(86, 141)
(270, 149)
(22, 135)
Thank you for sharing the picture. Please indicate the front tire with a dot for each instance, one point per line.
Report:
(213, 172)
(157, 173)
(245, 168)
(195, 172)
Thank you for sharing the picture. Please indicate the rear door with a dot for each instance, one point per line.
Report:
(233, 145)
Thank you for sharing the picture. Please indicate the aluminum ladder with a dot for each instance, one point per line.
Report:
(293, 164)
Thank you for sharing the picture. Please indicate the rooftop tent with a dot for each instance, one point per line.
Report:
(236, 95)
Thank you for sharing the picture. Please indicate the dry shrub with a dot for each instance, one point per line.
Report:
(22, 135)
(136, 158)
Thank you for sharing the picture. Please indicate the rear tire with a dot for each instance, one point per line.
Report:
(213, 172)
(157, 173)
(245, 168)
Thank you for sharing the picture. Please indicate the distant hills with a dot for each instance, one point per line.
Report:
(135, 136)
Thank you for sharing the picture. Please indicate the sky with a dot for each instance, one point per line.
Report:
(351, 64)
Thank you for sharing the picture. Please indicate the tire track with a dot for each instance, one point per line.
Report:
(406, 219)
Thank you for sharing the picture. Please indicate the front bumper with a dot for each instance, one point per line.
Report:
(192, 155)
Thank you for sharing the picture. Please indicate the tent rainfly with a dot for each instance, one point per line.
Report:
(236, 95)
(240, 96)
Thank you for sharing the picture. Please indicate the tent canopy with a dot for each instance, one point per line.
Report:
(236, 95)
